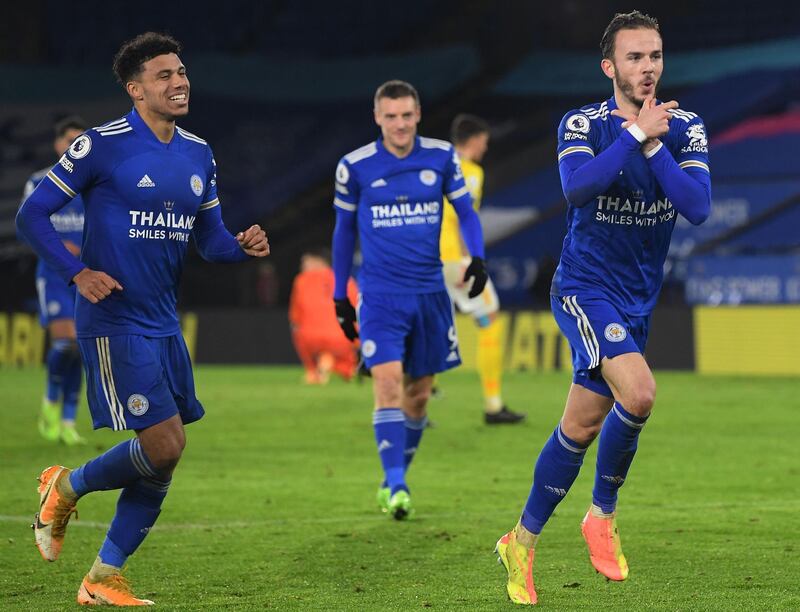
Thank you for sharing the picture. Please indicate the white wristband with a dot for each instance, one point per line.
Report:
(637, 133)
(654, 150)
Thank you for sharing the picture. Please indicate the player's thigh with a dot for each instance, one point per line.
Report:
(595, 329)
(62, 329)
(385, 322)
(56, 300)
(584, 413)
(433, 343)
(631, 381)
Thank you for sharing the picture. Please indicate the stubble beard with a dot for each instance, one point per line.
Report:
(627, 90)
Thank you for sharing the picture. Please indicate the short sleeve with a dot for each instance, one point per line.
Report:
(346, 186)
(575, 135)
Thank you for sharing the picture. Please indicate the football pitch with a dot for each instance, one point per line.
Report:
(273, 505)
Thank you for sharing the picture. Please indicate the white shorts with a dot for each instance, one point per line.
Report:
(478, 307)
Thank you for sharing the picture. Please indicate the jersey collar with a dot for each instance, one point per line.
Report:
(141, 128)
(386, 151)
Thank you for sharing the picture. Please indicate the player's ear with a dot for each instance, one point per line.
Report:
(134, 90)
(608, 67)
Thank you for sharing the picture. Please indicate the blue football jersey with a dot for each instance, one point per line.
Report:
(68, 221)
(398, 206)
(616, 244)
(142, 200)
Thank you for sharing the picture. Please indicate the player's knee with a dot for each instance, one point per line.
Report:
(581, 433)
(417, 398)
(167, 453)
(388, 390)
(168, 456)
(641, 399)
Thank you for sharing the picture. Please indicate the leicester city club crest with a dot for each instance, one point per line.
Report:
(197, 185)
(138, 404)
(615, 332)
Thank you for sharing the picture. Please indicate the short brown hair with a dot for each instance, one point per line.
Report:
(624, 21)
(396, 89)
(73, 122)
(134, 53)
(465, 127)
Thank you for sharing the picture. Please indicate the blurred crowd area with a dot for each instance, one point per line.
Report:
(282, 90)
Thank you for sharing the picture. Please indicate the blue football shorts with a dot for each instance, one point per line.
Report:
(56, 299)
(596, 328)
(415, 329)
(133, 382)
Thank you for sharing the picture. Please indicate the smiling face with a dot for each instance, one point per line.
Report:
(398, 119)
(162, 87)
(636, 65)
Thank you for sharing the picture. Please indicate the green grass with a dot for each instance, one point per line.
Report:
(272, 506)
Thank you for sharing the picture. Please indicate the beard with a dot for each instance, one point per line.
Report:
(628, 90)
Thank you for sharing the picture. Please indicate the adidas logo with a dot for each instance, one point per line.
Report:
(384, 445)
(145, 181)
(557, 490)
(378, 183)
(453, 356)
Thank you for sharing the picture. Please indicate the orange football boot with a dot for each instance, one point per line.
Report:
(109, 590)
(605, 548)
(55, 510)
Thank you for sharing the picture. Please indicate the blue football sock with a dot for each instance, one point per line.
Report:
(119, 467)
(616, 448)
(556, 469)
(390, 436)
(137, 510)
(59, 359)
(414, 431)
(71, 386)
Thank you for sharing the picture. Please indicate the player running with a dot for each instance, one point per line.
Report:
(57, 308)
(147, 186)
(390, 192)
(470, 135)
(628, 166)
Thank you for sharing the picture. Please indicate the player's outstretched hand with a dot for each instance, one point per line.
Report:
(476, 270)
(346, 315)
(254, 241)
(95, 285)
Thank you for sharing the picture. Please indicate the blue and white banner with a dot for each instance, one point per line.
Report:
(762, 279)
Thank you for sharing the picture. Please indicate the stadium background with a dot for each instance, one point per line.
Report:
(282, 89)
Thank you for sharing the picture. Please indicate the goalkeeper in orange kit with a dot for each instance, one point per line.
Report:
(318, 339)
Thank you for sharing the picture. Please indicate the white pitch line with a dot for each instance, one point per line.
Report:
(355, 519)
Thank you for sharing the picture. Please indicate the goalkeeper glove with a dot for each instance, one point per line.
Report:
(346, 315)
(477, 271)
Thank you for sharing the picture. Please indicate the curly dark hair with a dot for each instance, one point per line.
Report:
(625, 21)
(135, 52)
